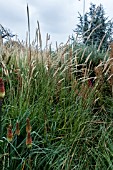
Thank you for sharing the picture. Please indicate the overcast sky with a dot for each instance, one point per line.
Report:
(56, 17)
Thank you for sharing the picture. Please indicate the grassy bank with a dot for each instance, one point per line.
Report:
(67, 96)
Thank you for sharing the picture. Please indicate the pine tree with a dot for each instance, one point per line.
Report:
(95, 27)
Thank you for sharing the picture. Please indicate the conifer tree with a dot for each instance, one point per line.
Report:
(95, 27)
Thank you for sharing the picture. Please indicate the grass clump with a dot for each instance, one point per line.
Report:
(67, 100)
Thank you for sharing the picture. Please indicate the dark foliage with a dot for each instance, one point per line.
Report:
(95, 28)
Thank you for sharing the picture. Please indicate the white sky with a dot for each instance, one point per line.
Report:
(56, 17)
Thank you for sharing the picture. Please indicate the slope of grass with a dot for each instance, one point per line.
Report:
(71, 119)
